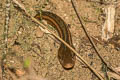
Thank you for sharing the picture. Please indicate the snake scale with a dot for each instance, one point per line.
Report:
(65, 55)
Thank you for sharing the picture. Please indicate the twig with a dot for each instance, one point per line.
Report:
(91, 41)
(77, 54)
(6, 27)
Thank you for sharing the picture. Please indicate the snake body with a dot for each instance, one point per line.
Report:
(65, 55)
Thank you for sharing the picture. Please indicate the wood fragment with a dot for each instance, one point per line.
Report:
(108, 26)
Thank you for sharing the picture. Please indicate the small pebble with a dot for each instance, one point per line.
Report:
(39, 33)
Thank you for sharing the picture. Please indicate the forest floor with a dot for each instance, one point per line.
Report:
(29, 46)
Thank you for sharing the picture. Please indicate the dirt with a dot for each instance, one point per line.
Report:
(26, 42)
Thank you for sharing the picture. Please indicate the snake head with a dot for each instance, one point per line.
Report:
(66, 57)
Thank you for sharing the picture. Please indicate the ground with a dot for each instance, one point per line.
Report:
(28, 44)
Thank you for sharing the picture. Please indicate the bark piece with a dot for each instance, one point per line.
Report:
(108, 27)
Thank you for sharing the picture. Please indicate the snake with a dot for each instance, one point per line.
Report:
(65, 56)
